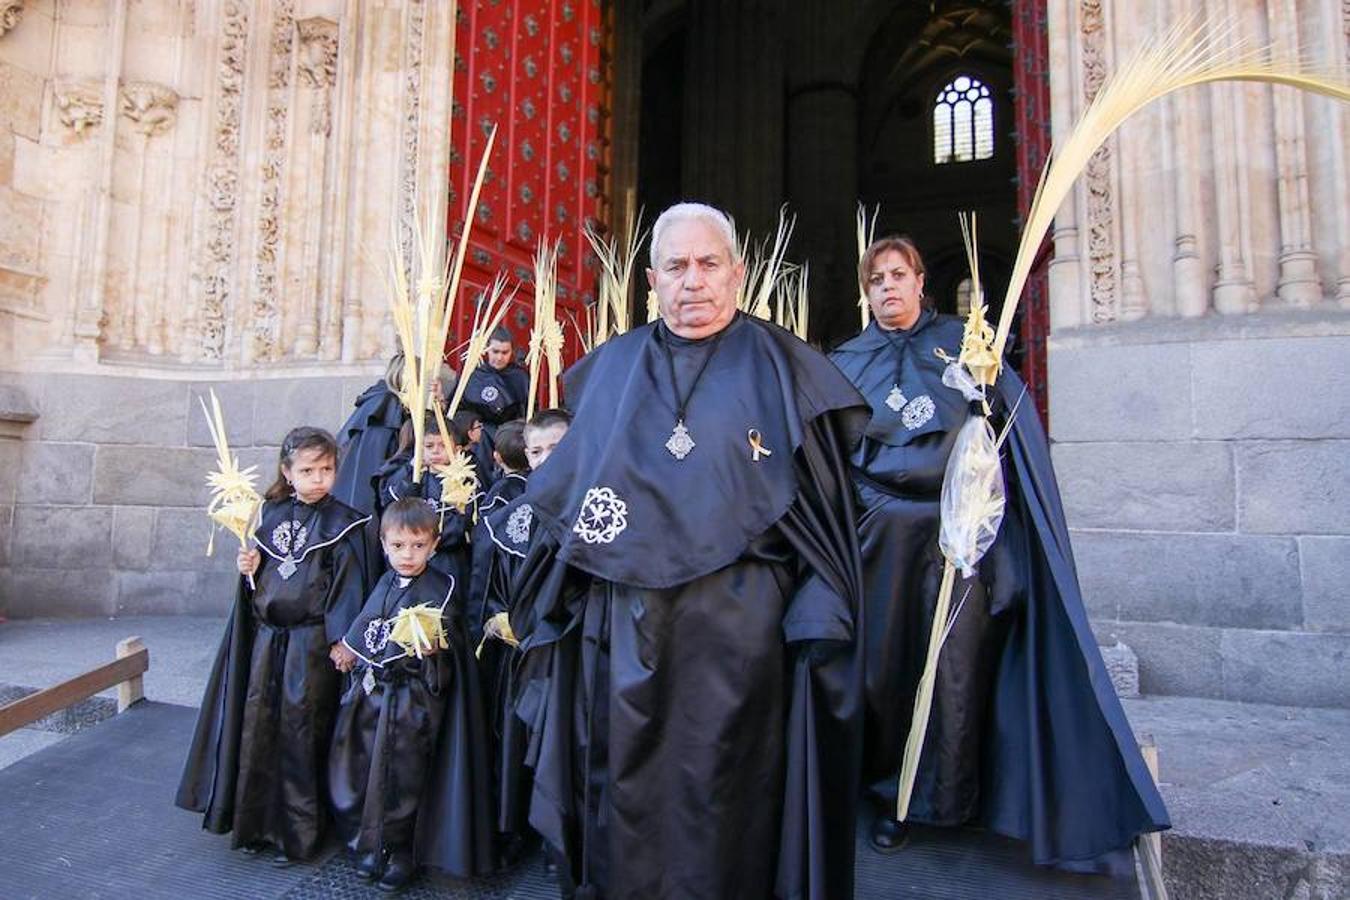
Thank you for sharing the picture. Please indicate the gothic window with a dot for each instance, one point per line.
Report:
(963, 121)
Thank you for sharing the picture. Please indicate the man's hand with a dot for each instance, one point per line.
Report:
(248, 561)
(344, 659)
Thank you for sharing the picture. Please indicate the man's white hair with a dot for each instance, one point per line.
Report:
(688, 212)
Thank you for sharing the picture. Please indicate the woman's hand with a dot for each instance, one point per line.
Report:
(248, 561)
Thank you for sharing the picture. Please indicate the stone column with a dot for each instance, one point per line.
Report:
(1234, 291)
(1068, 289)
(733, 86)
(822, 155)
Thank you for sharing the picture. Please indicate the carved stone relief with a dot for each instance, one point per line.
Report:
(152, 108)
(1100, 236)
(317, 66)
(11, 11)
(79, 106)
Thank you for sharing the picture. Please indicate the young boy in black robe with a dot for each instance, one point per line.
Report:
(406, 766)
(509, 458)
(395, 481)
(507, 527)
(260, 747)
(499, 387)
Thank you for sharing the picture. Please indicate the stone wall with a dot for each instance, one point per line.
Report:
(102, 498)
(1205, 470)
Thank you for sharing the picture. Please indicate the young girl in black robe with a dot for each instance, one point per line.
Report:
(395, 481)
(259, 752)
(407, 766)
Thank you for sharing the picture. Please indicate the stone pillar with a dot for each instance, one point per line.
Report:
(733, 86)
(822, 156)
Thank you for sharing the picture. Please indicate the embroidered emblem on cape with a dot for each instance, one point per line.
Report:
(377, 634)
(490, 393)
(896, 399)
(603, 516)
(680, 444)
(919, 411)
(518, 523)
(288, 538)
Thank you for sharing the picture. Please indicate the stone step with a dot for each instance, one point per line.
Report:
(1259, 797)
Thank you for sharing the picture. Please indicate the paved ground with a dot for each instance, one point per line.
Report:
(1273, 780)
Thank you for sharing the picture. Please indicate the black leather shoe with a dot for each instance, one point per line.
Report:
(399, 872)
(889, 835)
(368, 865)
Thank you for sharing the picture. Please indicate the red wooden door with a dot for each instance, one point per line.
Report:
(539, 70)
(1031, 81)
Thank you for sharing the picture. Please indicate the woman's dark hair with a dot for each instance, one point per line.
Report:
(411, 514)
(406, 433)
(303, 438)
(510, 445)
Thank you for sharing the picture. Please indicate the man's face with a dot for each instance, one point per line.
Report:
(499, 354)
(539, 442)
(311, 473)
(408, 550)
(695, 279)
(894, 290)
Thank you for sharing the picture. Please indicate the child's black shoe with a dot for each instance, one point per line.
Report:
(282, 861)
(368, 865)
(399, 872)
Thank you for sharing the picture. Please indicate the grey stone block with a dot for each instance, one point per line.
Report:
(1289, 668)
(1294, 487)
(285, 404)
(236, 408)
(1173, 659)
(1244, 581)
(1123, 667)
(103, 410)
(11, 455)
(48, 537)
(1185, 486)
(152, 476)
(6, 532)
(173, 592)
(133, 535)
(16, 404)
(1326, 582)
(56, 473)
(1131, 393)
(1264, 389)
(32, 593)
(180, 542)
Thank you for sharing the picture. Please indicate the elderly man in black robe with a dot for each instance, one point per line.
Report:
(688, 606)
(1026, 736)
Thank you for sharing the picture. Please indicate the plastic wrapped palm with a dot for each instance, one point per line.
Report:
(419, 630)
(1188, 54)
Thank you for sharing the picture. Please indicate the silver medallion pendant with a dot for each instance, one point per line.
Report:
(680, 443)
(896, 399)
(368, 682)
(287, 567)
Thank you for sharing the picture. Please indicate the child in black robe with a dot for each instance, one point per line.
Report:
(509, 458)
(260, 747)
(406, 769)
(395, 482)
(371, 433)
(507, 529)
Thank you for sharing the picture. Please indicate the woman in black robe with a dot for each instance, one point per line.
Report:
(1020, 663)
(687, 606)
(258, 755)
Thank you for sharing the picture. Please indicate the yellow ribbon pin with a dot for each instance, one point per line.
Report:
(757, 448)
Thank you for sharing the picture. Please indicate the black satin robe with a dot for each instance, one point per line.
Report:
(1021, 662)
(408, 766)
(257, 762)
(690, 685)
(395, 482)
(365, 441)
(497, 395)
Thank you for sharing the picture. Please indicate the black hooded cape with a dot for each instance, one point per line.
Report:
(365, 441)
(689, 680)
(1027, 736)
